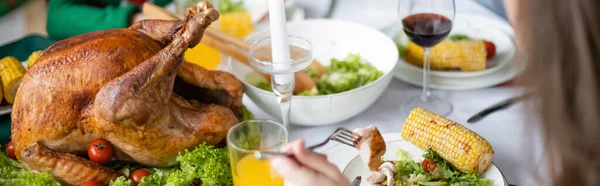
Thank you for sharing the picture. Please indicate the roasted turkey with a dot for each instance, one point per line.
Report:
(128, 86)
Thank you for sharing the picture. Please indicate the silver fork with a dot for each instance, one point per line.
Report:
(341, 135)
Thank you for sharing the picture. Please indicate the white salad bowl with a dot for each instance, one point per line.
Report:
(330, 39)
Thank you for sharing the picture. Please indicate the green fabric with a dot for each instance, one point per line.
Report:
(4, 128)
(20, 49)
(68, 18)
(5, 8)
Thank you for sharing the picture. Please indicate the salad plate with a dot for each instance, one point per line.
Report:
(347, 159)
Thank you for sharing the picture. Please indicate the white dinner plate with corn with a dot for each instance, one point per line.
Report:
(498, 70)
(346, 158)
(463, 148)
(465, 54)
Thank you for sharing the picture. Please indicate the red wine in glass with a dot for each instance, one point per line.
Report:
(427, 30)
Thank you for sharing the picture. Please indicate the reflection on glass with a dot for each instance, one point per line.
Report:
(427, 23)
(251, 136)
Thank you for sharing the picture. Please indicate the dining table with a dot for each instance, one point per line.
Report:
(511, 132)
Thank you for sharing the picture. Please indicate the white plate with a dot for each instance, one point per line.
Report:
(347, 159)
(477, 27)
(504, 74)
(499, 31)
(5, 109)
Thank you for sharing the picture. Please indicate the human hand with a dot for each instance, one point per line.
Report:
(308, 168)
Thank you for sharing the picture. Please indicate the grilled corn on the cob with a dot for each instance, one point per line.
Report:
(466, 150)
(465, 55)
(11, 72)
(32, 58)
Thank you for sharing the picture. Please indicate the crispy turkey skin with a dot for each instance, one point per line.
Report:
(119, 85)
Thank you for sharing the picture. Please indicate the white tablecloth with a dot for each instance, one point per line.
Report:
(505, 130)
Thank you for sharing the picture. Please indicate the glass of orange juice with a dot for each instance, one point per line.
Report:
(244, 140)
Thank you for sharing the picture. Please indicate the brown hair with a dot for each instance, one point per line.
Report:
(559, 41)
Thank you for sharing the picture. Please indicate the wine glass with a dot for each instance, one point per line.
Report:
(427, 23)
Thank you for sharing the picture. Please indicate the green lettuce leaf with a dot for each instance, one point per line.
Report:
(206, 162)
(402, 49)
(264, 85)
(21, 177)
(412, 173)
(459, 37)
(157, 177)
(251, 138)
(406, 166)
(229, 6)
(248, 115)
(434, 183)
(445, 169)
(11, 173)
(121, 181)
(347, 74)
(343, 75)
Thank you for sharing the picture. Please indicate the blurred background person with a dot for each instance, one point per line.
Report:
(497, 6)
(68, 18)
(9, 5)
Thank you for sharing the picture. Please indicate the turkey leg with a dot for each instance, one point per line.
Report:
(210, 87)
(198, 83)
(138, 108)
(135, 97)
(162, 31)
(68, 168)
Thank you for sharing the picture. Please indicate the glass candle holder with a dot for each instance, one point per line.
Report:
(282, 74)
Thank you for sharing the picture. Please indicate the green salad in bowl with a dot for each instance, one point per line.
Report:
(342, 75)
(351, 74)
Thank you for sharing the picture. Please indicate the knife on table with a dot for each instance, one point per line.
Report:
(356, 181)
(496, 107)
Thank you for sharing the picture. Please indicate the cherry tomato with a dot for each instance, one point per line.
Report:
(429, 165)
(137, 175)
(491, 49)
(10, 150)
(100, 151)
(91, 183)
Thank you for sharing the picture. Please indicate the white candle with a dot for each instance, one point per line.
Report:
(279, 39)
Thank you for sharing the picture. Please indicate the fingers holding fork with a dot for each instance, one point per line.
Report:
(305, 167)
(341, 135)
